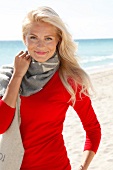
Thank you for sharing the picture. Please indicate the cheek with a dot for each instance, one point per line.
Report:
(53, 46)
(29, 45)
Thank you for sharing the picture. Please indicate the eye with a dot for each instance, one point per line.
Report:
(48, 38)
(32, 37)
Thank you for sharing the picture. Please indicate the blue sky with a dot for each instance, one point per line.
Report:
(84, 18)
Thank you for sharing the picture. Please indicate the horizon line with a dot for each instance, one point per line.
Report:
(73, 38)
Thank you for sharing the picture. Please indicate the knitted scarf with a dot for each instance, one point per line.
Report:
(37, 76)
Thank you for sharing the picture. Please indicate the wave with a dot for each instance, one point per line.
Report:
(90, 59)
(96, 69)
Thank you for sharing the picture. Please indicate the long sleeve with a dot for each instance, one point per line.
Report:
(6, 116)
(89, 120)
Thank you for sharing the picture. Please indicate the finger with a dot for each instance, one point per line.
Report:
(26, 52)
(27, 57)
(23, 55)
(20, 53)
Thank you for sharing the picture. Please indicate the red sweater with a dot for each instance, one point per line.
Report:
(42, 117)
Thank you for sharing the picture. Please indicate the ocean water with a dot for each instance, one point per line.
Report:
(94, 54)
(8, 51)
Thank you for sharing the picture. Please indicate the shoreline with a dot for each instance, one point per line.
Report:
(99, 69)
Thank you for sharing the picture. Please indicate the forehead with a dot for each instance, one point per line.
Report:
(42, 27)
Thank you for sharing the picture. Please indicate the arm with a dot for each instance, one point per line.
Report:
(6, 116)
(21, 64)
(8, 101)
(85, 111)
(86, 159)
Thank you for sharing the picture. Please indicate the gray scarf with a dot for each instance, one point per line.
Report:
(37, 76)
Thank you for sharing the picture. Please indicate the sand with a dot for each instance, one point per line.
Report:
(74, 134)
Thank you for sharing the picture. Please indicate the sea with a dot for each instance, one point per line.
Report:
(93, 54)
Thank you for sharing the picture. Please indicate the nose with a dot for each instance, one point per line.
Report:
(40, 43)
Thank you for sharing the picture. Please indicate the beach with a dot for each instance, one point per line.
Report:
(96, 55)
(74, 134)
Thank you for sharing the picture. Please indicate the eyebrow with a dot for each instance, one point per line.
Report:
(44, 36)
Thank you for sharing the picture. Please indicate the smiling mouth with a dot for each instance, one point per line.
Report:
(40, 52)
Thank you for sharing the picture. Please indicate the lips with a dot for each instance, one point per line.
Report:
(40, 52)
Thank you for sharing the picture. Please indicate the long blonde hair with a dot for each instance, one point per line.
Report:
(69, 67)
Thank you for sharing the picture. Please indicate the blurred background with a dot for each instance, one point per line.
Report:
(89, 22)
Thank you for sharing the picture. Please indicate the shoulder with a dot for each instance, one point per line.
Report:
(5, 76)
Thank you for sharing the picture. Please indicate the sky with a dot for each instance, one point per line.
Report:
(85, 19)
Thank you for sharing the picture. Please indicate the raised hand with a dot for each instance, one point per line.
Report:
(21, 64)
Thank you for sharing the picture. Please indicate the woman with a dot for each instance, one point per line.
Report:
(49, 79)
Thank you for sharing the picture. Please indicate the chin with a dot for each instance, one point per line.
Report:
(40, 61)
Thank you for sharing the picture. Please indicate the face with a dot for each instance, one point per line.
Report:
(41, 41)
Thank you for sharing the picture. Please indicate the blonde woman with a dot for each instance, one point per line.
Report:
(49, 79)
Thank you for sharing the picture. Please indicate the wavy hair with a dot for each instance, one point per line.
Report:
(71, 74)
